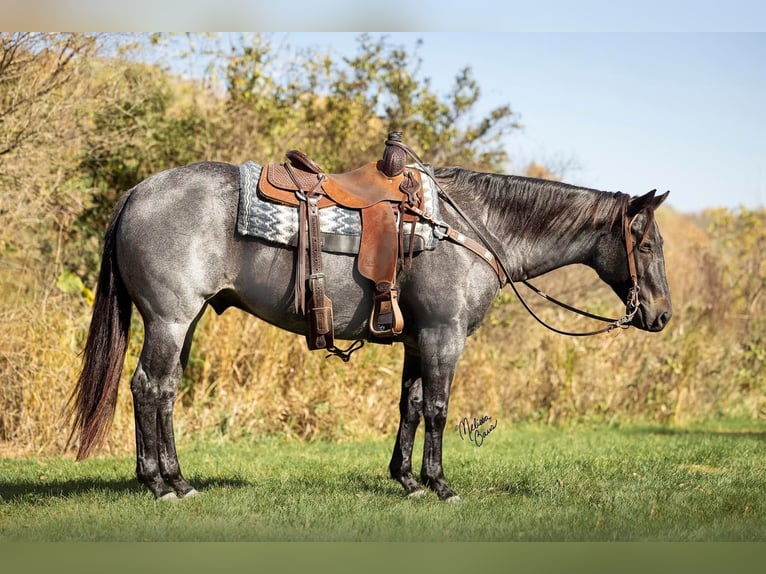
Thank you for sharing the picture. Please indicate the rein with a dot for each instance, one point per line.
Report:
(631, 305)
(489, 254)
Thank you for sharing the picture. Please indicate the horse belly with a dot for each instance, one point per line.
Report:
(265, 288)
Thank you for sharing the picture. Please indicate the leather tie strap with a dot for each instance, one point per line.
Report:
(299, 304)
(320, 335)
(320, 306)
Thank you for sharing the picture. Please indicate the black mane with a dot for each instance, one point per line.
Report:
(533, 207)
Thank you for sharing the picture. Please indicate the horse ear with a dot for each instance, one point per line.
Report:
(659, 199)
(639, 203)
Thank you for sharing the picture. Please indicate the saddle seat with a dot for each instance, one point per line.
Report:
(379, 199)
(357, 189)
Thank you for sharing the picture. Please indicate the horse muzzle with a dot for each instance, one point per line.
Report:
(654, 316)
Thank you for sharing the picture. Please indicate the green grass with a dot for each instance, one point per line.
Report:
(524, 484)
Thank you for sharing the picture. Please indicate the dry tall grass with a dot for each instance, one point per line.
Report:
(247, 378)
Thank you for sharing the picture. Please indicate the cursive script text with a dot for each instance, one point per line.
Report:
(475, 430)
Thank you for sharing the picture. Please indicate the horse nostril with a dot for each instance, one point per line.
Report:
(663, 319)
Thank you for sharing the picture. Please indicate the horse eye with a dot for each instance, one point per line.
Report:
(645, 248)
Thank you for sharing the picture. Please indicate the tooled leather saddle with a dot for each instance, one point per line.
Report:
(387, 194)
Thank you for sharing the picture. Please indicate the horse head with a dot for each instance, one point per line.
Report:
(637, 239)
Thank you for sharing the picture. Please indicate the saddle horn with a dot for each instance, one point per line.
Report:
(394, 156)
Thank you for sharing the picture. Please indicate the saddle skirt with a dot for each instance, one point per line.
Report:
(341, 228)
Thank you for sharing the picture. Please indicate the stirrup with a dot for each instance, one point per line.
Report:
(386, 318)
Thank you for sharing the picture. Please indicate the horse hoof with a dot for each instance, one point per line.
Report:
(192, 493)
(419, 493)
(169, 496)
(453, 499)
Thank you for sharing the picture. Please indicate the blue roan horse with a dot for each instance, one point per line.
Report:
(172, 249)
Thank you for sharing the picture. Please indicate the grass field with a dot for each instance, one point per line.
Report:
(524, 484)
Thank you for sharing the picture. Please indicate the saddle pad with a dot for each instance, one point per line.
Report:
(341, 228)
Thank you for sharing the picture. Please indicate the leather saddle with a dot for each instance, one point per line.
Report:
(381, 191)
(357, 189)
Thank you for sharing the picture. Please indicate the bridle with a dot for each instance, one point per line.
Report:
(486, 251)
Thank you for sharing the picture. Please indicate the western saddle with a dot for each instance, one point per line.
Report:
(388, 195)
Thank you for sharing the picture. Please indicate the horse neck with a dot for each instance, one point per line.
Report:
(541, 255)
(545, 226)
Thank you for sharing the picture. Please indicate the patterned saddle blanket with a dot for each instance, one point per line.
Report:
(341, 228)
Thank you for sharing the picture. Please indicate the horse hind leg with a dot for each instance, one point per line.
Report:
(155, 387)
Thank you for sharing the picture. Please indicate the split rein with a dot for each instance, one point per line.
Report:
(631, 305)
(488, 253)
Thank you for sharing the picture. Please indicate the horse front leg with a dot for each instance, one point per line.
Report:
(410, 411)
(440, 352)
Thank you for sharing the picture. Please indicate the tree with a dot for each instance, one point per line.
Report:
(34, 67)
(340, 110)
(43, 78)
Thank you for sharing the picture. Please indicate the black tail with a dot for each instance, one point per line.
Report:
(94, 398)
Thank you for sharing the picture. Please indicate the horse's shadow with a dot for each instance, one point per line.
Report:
(30, 491)
(373, 484)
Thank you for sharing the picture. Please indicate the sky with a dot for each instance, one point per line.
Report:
(630, 112)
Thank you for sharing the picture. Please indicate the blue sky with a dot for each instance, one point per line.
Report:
(619, 111)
